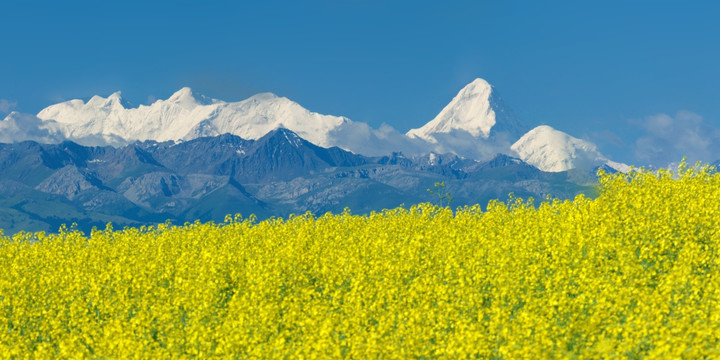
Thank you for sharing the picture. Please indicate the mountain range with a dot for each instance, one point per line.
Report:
(45, 185)
(475, 125)
(193, 158)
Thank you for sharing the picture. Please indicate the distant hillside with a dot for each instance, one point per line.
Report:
(45, 185)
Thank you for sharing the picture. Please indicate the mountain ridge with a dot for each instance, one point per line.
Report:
(279, 174)
(475, 124)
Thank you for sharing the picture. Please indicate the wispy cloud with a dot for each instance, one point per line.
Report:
(19, 127)
(6, 106)
(666, 139)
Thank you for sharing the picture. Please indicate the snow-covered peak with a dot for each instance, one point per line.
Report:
(258, 115)
(475, 110)
(290, 136)
(266, 96)
(116, 96)
(553, 150)
(186, 115)
(547, 133)
(474, 125)
(478, 87)
(113, 100)
(76, 112)
(182, 95)
(621, 167)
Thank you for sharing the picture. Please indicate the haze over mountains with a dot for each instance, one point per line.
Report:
(474, 125)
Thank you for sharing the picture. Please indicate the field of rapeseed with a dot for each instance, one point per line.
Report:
(632, 274)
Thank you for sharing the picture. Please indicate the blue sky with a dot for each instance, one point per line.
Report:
(638, 78)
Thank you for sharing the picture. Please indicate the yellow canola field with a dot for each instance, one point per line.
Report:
(632, 274)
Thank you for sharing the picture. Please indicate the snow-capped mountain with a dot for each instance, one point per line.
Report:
(475, 124)
(185, 116)
(553, 151)
(477, 110)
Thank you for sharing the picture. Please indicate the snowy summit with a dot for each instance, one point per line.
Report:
(553, 151)
(475, 110)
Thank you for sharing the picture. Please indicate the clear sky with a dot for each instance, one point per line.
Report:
(638, 78)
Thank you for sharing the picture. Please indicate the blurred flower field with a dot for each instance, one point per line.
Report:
(632, 274)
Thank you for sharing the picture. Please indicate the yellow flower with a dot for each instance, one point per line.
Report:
(633, 273)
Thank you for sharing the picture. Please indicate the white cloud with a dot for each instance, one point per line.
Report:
(6, 106)
(360, 138)
(18, 127)
(667, 139)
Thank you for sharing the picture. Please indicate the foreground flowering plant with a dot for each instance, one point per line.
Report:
(631, 274)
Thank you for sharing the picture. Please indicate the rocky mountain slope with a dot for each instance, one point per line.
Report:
(44, 185)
